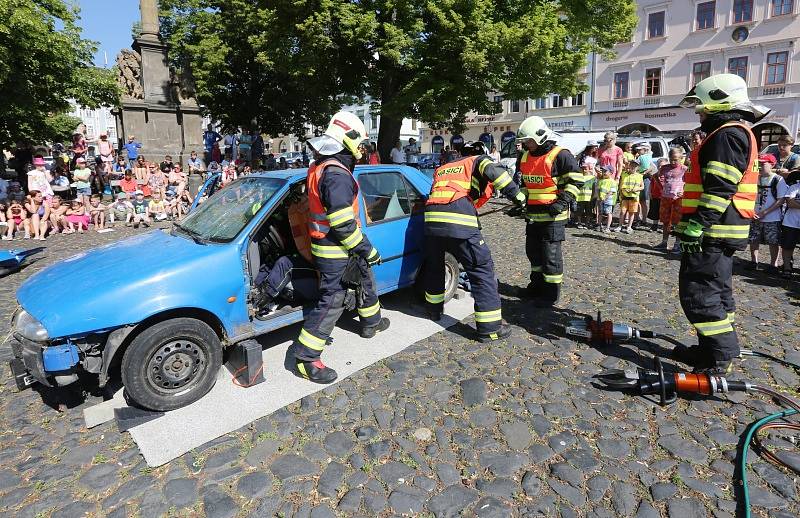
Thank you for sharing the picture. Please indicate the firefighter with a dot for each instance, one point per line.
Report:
(335, 238)
(718, 204)
(451, 225)
(553, 180)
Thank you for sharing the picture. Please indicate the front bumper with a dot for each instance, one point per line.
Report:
(28, 362)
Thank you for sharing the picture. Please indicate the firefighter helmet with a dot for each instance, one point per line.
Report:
(345, 131)
(535, 128)
(476, 148)
(723, 93)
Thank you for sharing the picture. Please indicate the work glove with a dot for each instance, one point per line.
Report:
(557, 207)
(521, 200)
(691, 238)
(374, 258)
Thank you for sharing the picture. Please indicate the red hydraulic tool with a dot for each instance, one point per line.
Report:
(601, 332)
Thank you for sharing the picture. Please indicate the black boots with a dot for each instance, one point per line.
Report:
(315, 371)
(369, 332)
(503, 332)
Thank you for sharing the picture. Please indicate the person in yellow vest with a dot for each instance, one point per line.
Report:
(336, 238)
(552, 180)
(718, 204)
(451, 225)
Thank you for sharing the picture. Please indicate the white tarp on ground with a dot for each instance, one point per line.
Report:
(228, 407)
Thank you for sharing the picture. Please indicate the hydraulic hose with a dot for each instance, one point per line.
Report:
(751, 431)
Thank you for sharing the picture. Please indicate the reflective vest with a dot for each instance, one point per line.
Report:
(318, 224)
(744, 200)
(537, 175)
(587, 189)
(454, 181)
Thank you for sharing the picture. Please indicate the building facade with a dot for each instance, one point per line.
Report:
(562, 113)
(95, 122)
(680, 42)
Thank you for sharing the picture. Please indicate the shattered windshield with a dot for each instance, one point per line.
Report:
(221, 217)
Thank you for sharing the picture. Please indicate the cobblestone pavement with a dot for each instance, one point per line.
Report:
(447, 426)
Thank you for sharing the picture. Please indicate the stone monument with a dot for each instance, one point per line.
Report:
(157, 107)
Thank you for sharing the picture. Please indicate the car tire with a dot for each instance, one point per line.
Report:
(171, 364)
(451, 272)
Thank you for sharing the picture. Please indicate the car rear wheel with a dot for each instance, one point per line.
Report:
(451, 272)
(171, 364)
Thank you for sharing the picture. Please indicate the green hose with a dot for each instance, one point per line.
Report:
(751, 430)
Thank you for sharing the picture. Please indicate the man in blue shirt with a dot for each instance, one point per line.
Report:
(132, 148)
(210, 138)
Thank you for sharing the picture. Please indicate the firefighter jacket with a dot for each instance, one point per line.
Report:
(456, 190)
(550, 173)
(722, 183)
(333, 223)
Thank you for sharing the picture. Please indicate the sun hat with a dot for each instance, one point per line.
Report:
(767, 157)
(138, 192)
(38, 161)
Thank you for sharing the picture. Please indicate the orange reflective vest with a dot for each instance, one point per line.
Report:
(454, 181)
(298, 222)
(744, 200)
(537, 175)
(318, 225)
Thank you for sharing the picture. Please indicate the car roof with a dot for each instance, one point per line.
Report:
(293, 175)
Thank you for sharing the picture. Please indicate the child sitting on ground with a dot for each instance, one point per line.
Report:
(128, 184)
(630, 186)
(97, 211)
(76, 216)
(140, 210)
(606, 198)
(157, 208)
(58, 211)
(121, 210)
(17, 217)
(40, 213)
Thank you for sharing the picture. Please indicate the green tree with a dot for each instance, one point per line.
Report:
(433, 60)
(44, 63)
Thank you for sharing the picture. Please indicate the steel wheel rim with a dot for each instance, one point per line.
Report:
(176, 366)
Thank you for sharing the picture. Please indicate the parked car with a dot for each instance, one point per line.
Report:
(574, 141)
(184, 295)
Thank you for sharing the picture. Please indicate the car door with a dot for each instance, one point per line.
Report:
(392, 218)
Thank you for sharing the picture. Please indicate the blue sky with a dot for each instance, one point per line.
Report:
(108, 22)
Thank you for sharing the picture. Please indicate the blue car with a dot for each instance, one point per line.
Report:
(160, 307)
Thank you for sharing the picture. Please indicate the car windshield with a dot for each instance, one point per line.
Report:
(220, 218)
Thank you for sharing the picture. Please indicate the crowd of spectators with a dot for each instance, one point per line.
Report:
(648, 193)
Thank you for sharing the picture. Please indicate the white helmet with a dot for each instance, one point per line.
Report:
(345, 131)
(723, 93)
(535, 128)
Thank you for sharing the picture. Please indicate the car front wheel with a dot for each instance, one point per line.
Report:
(171, 364)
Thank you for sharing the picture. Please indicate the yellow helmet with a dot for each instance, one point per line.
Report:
(345, 131)
(723, 93)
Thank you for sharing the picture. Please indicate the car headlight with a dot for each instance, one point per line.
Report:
(28, 327)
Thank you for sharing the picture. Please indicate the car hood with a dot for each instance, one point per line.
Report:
(118, 274)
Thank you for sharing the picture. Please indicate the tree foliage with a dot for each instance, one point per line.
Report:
(286, 62)
(44, 63)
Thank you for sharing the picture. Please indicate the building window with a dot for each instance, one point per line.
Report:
(742, 11)
(705, 15)
(621, 85)
(701, 71)
(655, 25)
(541, 103)
(578, 100)
(498, 98)
(374, 121)
(781, 7)
(514, 106)
(738, 66)
(776, 67)
(652, 81)
(558, 101)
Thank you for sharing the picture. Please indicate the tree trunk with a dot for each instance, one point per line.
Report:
(388, 134)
